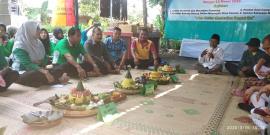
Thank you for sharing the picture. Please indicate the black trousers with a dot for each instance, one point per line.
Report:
(103, 65)
(234, 69)
(203, 70)
(143, 64)
(72, 71)
(10, 76)
(37, 79)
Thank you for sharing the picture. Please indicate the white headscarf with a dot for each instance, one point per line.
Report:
(27, 40)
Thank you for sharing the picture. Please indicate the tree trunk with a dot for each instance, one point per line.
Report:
(163, 9)
(76, 4)
(145, 13)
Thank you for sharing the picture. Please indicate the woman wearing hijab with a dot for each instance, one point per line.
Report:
(58, 34)
(48, 45)
(29, 58)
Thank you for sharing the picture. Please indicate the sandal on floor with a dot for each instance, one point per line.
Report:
(245, 107)
(238, 93)
(115, 72)
(92, 74)
(64, 79)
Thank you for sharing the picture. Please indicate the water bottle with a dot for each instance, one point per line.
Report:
(80, 59)
(55, 57)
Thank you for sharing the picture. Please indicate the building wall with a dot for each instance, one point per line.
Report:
(4, 12)
(8, 10)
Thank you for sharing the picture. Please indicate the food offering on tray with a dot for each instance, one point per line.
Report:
(80, 102)
(42, 118)
(114, 96)
(117, 96)
(128, 85)
(157, 76)
(167, 69)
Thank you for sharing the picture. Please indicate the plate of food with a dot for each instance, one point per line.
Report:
(79, 103)
(166, 69)
(114, 96)
(43, 118)
(157, 76)
(128, 85)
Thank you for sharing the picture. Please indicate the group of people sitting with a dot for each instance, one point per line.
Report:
(29, 57)
(255, 66)
(211, 60)
(33, 59)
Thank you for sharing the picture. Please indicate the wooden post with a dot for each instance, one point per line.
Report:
(76, 4)
(144, 13)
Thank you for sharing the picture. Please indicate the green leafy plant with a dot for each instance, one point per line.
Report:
(174, 44)
(153, 3)
(44, 18)
(50, 28)
(38, 13)
(89, 8)
(159, 23)
(163, 43)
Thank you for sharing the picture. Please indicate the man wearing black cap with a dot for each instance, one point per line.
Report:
(249, 58)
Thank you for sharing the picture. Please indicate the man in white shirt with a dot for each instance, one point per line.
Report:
(211, 59)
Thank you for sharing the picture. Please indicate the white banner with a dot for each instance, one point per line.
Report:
(219, 10)
(193, 48)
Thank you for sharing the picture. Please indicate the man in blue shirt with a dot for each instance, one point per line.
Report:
(117, 48)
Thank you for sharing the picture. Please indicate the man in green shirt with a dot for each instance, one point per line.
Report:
(5, 42)
(66, 53)
(7, 76)
(3, 61)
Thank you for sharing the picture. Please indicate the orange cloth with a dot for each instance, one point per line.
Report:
(142, 51)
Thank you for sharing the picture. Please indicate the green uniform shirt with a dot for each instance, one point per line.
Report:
(52, 46)
(63, 48)
(9, 47)
(3, 61)
(23, 61)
